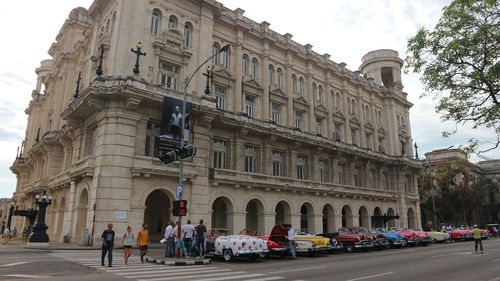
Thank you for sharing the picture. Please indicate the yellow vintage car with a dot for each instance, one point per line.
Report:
(439, 236)
(317, 244)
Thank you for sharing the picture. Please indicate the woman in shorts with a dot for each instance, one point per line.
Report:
(127, 240)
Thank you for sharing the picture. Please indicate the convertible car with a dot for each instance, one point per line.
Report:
(231, 246)
(410, 236)
(438, 237)
(320, 244)
(395, 239)
(379, 241)
(423, 237)
(461, 235)
(353, 241)
(277, 242)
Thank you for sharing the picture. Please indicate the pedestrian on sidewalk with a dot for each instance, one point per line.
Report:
(14, 232)
(169, 237)
(26, 233)
(291, 241)
(143, 241)
(108, 241)
(201, 229)
(6, 236)
(188, 231)
(478, 238)
(127, 240)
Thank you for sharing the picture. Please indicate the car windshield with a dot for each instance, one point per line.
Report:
(380, 229)
(396, 229)
(344, 230)
(363, 230)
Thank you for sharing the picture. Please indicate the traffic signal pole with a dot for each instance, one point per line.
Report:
(180, 187)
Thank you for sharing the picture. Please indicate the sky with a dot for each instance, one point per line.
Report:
(345, 29)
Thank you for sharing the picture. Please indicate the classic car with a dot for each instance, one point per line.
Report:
(336, 245)
(422, 236)
(486, 233)
(279, 234)
(320, 244)
(231, 246)
(395, 239)
(276, 244)
(353, 241)
(461, 235)
(438, 237)
(379, 241)
(410, 236)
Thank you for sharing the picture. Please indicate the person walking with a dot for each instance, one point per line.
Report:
(14, 232)
(478, 238)
(169, 237)
(108, 241)
(127, 240)
(201, 229)
(6, 236)
(143, 241)
(188, 231)
(291, 241)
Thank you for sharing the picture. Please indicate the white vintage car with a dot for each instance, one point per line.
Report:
(232, 246)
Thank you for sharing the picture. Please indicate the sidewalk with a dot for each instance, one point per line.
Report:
(53, 246)
(157, 256)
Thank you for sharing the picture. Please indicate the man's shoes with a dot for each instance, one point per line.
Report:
(482, 252)
(110, 265)
(102, 264)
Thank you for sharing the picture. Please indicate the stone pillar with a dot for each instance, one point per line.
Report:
(338, 221)
(239, 153)
(70, 212)
(287, 76)
(311, 117)
(318, 224)
(355, 218)
(269, 220)
(295, 220)
(237, 58)
(239, 222)
(265, 82)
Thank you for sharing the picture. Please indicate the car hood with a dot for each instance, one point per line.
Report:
(280, 230)
(392, 235)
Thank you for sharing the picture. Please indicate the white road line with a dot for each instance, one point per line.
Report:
(170, 274)
(130, 267)
(495, 260)
(480, 255)
(452, 254)
(299, 269)
(267, 279)
(149, 269)
(394, 252)
(187, 277)
(16, 263)
(26, 276)
(231, 277)
(371, 276)
(166, 270)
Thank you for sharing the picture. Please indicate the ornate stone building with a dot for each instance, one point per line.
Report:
(286, 136)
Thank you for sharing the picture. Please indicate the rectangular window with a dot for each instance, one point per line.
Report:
(381, 146)
(219, 154)
(298, 120)
(354, 136)
(152, 138)
(368, 139)
(276, 113)
(220, 96)
(278, 167)
(319, 126)
(90, 141)
(341, 173)
(323, 175)
(169, 75)
(250, 159)
(301, 168)
(338, 132)
(250, 105)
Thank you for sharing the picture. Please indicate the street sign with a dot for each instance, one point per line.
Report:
(180, 191)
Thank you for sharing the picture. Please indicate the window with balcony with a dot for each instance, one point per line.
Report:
(276, 113)
(250, 159)
(341, 174)
(220, 154)
(169, 75)
(188, 30)
(278, 163)
(220, 96)
(319, 125)
(280, 78)
(152, 139)
(354, 136)
(250, 105)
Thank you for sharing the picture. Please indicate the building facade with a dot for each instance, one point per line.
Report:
(287, 135)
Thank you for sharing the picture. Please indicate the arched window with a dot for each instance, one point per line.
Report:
(172, 22)
(353, 105)
(227, 58)
(349, 105)
(301, 86)
(337, 101)
(155, 22)
(280, 78)
(271, 74)
(244, 65)
(294, 84)
(215, 53)
(255, 68)
(187, 35)
(320, 94)
(315, 92)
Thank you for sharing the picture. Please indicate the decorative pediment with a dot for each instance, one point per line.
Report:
(171, 41)
(222, 71)
(321, 107)
(381, 131)
(250, 82)
(368, 125)
(277, 91)
(339, 114)
(301, 100)
(354, 119)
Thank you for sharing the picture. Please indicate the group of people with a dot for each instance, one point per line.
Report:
(477, 234)
(127, 241)
(189, 239)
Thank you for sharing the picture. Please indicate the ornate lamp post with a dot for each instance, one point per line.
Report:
(39, 236)
(99, 71)
(139, 54)
(416, 150)
(209, 76)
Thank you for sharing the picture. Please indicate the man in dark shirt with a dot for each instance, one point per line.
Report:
(201, 229)
(108, 241)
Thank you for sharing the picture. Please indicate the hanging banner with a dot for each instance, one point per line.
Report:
(171, 124)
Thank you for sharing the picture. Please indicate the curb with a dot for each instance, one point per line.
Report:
(179, 263)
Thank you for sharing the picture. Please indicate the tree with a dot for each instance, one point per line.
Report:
(459, 63)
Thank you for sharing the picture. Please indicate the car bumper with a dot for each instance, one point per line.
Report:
(250, 252)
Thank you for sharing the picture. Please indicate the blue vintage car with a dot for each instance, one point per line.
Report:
(395, 239)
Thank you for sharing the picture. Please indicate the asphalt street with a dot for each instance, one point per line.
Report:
(451, 261)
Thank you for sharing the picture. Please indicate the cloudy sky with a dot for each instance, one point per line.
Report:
(345, 29)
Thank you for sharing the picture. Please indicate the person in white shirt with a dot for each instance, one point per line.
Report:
(169, 236)
(291, 241)
(188, 231)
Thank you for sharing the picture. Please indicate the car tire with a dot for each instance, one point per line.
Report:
(263, 255)
(228, 255)
(349, 248)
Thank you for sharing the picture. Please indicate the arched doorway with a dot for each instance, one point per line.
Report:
(346, 216)
(328, 219)
(222, 210)
(282, 211)
(411, 218)
(307, 218)
(82, 209)
(391, 223)
(60, 218)
(377, 221)
(255, 216)
(363, 217)
(157, 213)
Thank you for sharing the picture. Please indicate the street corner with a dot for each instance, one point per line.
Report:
(178, 262)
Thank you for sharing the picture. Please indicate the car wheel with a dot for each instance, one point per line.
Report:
(403, 243)
(228, 255)
(349, 248)
(263, 255)
(254, 257)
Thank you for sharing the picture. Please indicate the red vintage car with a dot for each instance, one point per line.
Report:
(350, 240)
(461, 235)
(486, 233)
(423, 236)
(277, 243)
(379, 240)
(410, 236)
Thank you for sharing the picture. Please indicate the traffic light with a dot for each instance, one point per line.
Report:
(186, 152)
(168, 157)
(180, 208)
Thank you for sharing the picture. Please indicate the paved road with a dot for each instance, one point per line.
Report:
(453, 261)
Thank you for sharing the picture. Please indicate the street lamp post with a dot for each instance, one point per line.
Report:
(99, 71)
(77, 90)
(39, 236)
(139, 54)
(181, 161)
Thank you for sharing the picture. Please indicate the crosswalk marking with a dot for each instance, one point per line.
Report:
(135, 270)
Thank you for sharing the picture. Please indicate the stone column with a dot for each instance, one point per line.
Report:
(295, 220)
(237, 59)
(287, 76)
(239, 222)
(269, 220)
(311, 117)
(318, 224)
(70, 211)
(265, 82)
(338, 220)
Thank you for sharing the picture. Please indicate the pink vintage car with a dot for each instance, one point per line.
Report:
(461, 235)
(410, 236)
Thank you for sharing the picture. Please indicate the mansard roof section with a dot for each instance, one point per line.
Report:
(78, 18)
